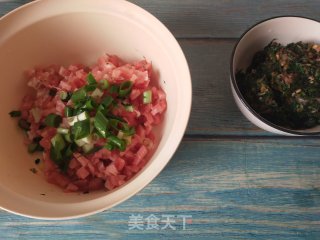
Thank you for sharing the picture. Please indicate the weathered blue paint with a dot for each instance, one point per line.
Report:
(236, 181)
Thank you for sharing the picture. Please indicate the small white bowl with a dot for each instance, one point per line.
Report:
(79, 31)
(284, 30)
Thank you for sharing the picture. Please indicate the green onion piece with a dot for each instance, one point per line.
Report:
(104, 84)
(79, 95)
(106, 102)
(90, 79)
(53, 120)
(125, 88)
(119, 143)
(97, 93)
(58, 142)
(109, 146)
(87, 147)
(15, 113)
(67, 137)
(114, 123)
(32, 147)
(129, 108)
(114, 89)
(81, 129)
(63, 130)
(53, 92)
(101, 123)
(147, 97)
(90, 104)
(90, 88)
(64, 96)
(68, 111)
(24, 124)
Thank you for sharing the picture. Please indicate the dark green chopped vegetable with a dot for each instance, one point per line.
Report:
(81, 129)
(282, 84)
(104, 84)
(91, 80)
(147, 97)
(68, 111)
(53, 92)
(79, 95)
(15, 113)
(114, 89)
(125, 88)
(109, 146)
(116, 142)
(106, 102)
(53, 120)
(24, 124)
(101, 124)
(90, 88)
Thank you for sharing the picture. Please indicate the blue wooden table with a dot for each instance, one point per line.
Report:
(228, 179)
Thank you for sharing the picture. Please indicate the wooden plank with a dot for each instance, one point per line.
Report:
(233, 189)
(222, 19)
(214, 111)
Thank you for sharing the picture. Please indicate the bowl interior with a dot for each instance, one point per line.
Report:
(43, 33)
(284, 30)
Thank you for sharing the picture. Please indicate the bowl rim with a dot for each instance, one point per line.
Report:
(176, 139)
(237, 90)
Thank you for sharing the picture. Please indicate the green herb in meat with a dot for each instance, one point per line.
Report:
(282, 84)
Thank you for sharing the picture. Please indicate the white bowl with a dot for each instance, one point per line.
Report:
(64, 32)
(284, 30)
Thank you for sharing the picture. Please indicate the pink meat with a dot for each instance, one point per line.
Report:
(103, 169)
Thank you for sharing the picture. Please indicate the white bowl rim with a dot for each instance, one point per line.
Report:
(178, 137)
(240, 96)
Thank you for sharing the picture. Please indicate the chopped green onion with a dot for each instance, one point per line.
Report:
(63, 130)
(68, 111)
(90, 104)
(90, 88)
(101, 123)
(64, 96)
(79, 95)
(15, 113)
(97, 93)
(86, 140)
(87, 147)
(81, 129)
(129, 108)
(83, 116)
(24, 124)
(109, 146)
(104, 84)
(32, 147)
(114, 89)
(119, 143)
(90, 79)
(107, 101)
(67, 137)
(53, 120)
(53, 92)
(147, 97)
(58, 142)
(125, 88)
